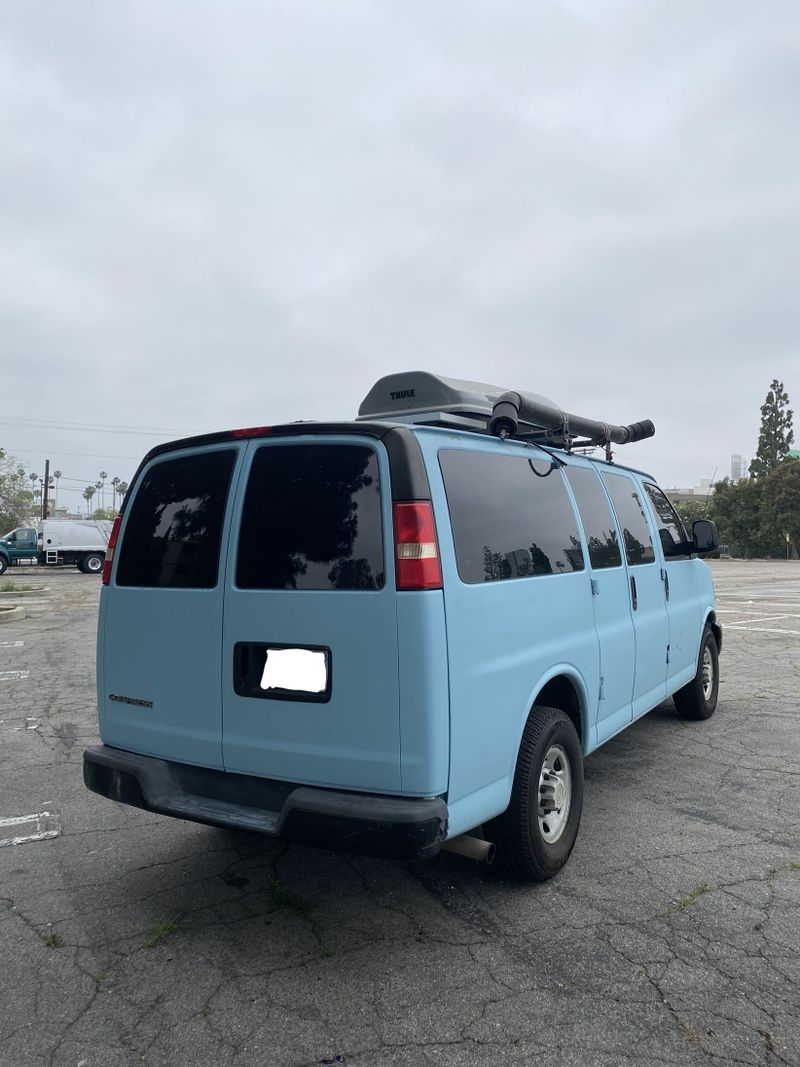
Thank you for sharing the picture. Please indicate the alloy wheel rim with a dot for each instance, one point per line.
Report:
(708, 673)
(555, 794)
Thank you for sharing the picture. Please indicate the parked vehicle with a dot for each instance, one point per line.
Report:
(395, 634)
(56, 542)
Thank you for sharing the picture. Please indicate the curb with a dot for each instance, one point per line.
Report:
(12, 613)
(24, 592)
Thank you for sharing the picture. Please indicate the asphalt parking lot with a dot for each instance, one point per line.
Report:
(673, 936)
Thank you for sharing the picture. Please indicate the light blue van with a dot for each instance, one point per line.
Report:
(395, 634)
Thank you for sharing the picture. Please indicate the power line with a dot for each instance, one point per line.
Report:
(93, 427)
(53, 452)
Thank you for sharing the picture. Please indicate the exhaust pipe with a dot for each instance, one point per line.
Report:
(474, 848)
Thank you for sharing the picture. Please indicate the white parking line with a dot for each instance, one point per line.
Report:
(44, 825)
(12, 644)
(765, 630)
(10, 676)
(762, 618)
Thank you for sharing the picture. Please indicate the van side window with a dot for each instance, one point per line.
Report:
(312, 519)
(173, 532)
(670, 528)
(598, 522)
(632, 519)
(511, 517)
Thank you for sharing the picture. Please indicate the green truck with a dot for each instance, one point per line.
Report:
(56, 542)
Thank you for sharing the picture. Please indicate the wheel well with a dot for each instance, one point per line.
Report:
(715, 628)
(561, 693)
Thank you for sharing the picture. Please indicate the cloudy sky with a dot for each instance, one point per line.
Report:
(217, 215)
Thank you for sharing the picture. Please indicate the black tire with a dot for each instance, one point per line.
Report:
(523, 850)
(92, 563)
(698, 699)
(3, 564)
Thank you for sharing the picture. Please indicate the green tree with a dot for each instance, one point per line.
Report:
(776, 434)
(736, 509)
(690, 510)
(16, 499)
(88, 493)
(781, 504)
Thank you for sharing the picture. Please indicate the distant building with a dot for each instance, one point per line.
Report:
(737, 468)
(702, 492)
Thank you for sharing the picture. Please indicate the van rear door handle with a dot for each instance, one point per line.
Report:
(665, 576)
(634, 599)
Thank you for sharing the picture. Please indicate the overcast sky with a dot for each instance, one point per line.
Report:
(218, 215)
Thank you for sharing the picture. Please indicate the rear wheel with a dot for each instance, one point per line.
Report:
(698, 699)
(91, 563)
(536, 833)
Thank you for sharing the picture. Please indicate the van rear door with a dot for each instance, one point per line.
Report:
(160, 626)
(309, 661)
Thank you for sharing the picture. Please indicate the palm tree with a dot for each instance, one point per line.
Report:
(56, 475)
(115, 483)
(101, 486)
(88, 493)
(122, 489)
(34, 478)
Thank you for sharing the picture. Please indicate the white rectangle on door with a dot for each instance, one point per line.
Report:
(299, 670)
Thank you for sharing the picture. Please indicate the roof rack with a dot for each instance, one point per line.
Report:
(429, 399)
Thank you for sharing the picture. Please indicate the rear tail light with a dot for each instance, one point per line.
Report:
(112, 544)
(415, 546)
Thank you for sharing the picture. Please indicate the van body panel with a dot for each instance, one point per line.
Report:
(160, 657)
(352, 740)
(503, 639)
(649, 611)
(611, 603)
(424, 693)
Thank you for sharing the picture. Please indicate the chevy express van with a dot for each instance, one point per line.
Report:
(399, 633)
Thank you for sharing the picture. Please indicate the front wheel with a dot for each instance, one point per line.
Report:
(536, 833)
(91, 564)
(698, 699)
(3, 564)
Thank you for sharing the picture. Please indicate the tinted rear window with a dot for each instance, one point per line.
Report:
(511, 517)
(172, 535)
(312, 519)
(632, 519)
(598, 522)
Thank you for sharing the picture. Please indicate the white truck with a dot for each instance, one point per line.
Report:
(82, 542)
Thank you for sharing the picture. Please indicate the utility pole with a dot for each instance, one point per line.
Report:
(45, 488)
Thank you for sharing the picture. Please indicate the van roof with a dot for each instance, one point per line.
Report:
(377, 429)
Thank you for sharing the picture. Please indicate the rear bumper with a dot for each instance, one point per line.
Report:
(403, 828)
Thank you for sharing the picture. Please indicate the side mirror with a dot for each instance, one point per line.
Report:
(705, 538)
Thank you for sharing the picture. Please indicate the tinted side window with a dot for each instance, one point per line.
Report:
(511, 517)
(632, 519)
(670, 528)
(173, 532)
(598, 522)
(312, 519)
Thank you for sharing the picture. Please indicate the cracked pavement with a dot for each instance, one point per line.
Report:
(672, 937)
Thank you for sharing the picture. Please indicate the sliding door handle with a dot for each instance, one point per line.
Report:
(634, 598)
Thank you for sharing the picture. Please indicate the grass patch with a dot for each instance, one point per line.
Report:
(15, 587)
(285, 898)
(794, 866)
(53, 940)
(686, 902)
(160, 930)
(327, 952)
(103, 976)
